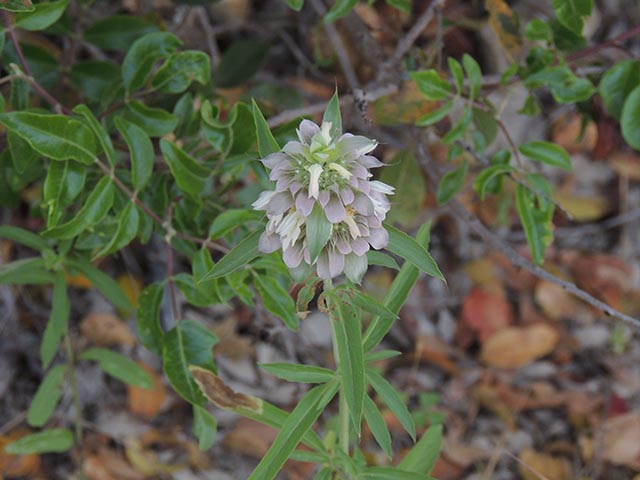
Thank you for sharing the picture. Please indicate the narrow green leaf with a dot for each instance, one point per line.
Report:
(373, 357)
(188, 173)
(381, 259)
(332, 115)
(294, 427)
(318, 231)
(24, 237)
(347, 328)
(377, 425)
(474, 74)
(392, 399)
(156, 122)
(141, 151)
(451, 183)
(456, 72)
(204, 427)
(295, 4)
(396, 295)
(54, 136)
(99, 131)
(547, 152)
(371, 305)
(630, 119)
(277, 300)
(95, 208)
(422, 457)
(436, 115)
(431, 85)
(47, 396)
(292, 372)
(55, 440)
(406, 247)
(150, 331)
(44, 15)
(26, 271)
(339, 9)
(267, 144)
(403, 5)
(238, 257)
(536, 223)
(142, 56)
(118, 366)
(107, 286)
(58, 320)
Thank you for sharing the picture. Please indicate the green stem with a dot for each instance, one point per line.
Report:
(343, 413)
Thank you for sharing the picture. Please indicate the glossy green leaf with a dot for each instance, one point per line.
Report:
(630, 119)
(47, 396)
(571, 13)
(95, 208)
(198, 293)
(55, 440)
(564, 85)
(406, 247)
(128, 220)
(64, 182)
(99, 131)
(339, 9)
(266, 142)
(205, 427)
(474, 74)
(431, 85)
(347, 328)
(23, 156)
(43, 16)
(180, 70)
(155, 121)
(423, 456)
(238, 257)
(240, 62)
(118, 32)
(190, 175)
(118, 366)
(103, 282)
(434, 116)
(277, 300)
(396, 295)
(143, 55)
(377, 425)
(547, 152)
(24, 237)
(292, 372)
(617, 83)
(58, 321)
(451, 183)
(26, 271)
(141, 151)
(53, 136)
(149, 329)
(318, 231)
(392, 399)
(294, 427)
(332, 115)
(536, 221)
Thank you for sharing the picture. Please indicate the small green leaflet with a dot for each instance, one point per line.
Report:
(238, 257)
(339, 9)
(406, 247)
(571, 13)
(390, 396)
(535, 215)
(547, 152)
(47, 396)
(616, 85)
(474, 74)
(142, 56)
(118, 366)
(180, 70)
(451, 183)
(377, 425)
(55, 440)
(422, 457)
(267, 144)
(156, 122)
(99, 131)
(189, 174)
(436, 115)
(332, 115)
(292, 372)
(431, 85)
(58, 321)
(204, 427)
(630, 119)
(17, 5)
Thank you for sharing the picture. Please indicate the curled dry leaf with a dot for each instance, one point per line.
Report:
(486, 312)
(105, 330)
(535, 466)
(147, 402)
(514, 347)
(222, 395)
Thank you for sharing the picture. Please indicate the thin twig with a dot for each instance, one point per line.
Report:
(514, 257)
(338, 46)
(613, 42)
(405, 44)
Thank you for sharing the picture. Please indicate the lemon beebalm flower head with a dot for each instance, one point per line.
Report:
(325, 212)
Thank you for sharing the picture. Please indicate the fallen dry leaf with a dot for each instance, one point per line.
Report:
(626, 165)
(514, 347)
(535, 465)
(554, 301)
(109, 465)
(568, 132)
(486, 312)
(430, 349)
(486, 274)
(622, 440)
(222, 395)
(583, 208)
(505, 24)
(106, 330)
(147, 402)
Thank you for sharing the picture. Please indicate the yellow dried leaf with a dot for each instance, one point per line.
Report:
(506, 25)
(514, 347)
(131, 287)
(537, 465)
(583, 208)
(78, 281)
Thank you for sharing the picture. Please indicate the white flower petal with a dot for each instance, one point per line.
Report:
(315, 171)
(343, 172)
(263, 200)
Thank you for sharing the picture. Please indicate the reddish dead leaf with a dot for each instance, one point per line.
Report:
(605, 276)
(147, 402)
(554, 301)
(17, 465)
(486, 312)
(568, 132)
(105, 330)
(514, 347)
(222, 395)
(536, 466)
(622, 440)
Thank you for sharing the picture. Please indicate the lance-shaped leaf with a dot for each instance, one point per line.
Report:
(189, 174)
(267, 144)
(239, 256)
(150, 331)
(47, 396)
(422, 457)
(406, 247)
(141, 151)
(118, 366)
(391, 397)
(55, 440)
(332, 115)
(58, 321)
